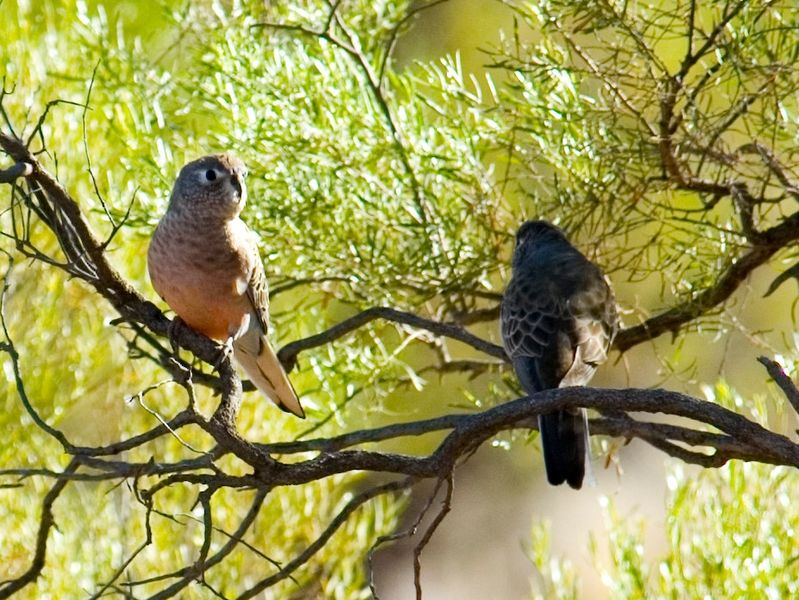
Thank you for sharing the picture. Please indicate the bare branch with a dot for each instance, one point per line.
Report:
(365, 436)
(398, 535)
(784, 382)
(289, 352)
(446, 506)
(690, 58)
(37, 130)
(744, 439)
(10, 349)
(341, 518)
(118, 573)
(773, 165)
(46, 522)
(86, 153)
(725, 286)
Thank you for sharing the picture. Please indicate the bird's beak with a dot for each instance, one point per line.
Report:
(237, 182)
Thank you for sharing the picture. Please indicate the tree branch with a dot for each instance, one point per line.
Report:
(725, 286)
(784, 382)
(46, 522)
(288, 354)
(341, 518)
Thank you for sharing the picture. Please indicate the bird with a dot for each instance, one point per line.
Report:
(558, 318)
(204, 262)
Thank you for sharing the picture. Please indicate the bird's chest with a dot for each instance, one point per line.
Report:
(203, 278)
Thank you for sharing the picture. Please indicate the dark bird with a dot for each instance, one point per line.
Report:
(558, 320)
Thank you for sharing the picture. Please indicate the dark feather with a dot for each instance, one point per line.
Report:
(558, 319)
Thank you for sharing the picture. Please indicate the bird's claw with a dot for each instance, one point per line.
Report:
(225, 352)
(173, 333)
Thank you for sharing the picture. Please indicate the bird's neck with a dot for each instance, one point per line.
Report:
(206, 218)
(541, 254)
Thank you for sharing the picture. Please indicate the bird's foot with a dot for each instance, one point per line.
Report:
(225, 352)
(176, 325)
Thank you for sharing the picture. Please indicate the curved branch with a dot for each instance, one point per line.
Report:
(666, 438)
(741, 439)
(341, 518)
(726, 285)
(46, 522)
(744, 439)
(784, 382)
(364, 436)
(288, 354)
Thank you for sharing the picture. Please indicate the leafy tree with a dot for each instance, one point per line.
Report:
(659, 136)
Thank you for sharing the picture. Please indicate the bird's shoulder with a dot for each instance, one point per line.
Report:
(563, 272)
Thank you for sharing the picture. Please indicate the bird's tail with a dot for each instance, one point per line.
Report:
(563, 440)
(255, 355)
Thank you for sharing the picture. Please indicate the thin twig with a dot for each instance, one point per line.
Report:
(356, 502)
(187, 575)
(288, 353)
(784, 382)
(86, 153)
(446, 506)
(148, 539)
(46, 522)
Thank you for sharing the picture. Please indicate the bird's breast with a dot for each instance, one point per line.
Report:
(201, 278)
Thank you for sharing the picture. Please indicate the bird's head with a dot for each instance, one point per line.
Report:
(213, 184)
(538, 231)
(532, 234)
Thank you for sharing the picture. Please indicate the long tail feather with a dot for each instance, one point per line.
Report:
(563, 441)
(262, 367)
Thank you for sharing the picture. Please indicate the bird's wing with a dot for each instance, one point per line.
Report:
(526, 321)
(592, 312)
(535, 332)
(253, 350)
(257, 285)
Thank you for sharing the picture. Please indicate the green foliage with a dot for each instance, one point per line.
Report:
(373, 185)
(593, 95)
(731, 534)
(553, 578)
(327, 182)
(367, 197)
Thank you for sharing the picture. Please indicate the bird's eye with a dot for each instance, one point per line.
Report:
(210, 175)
